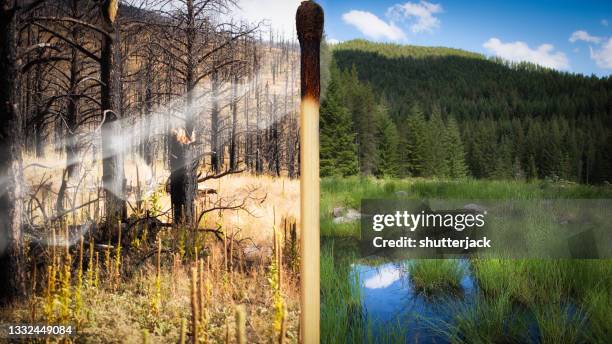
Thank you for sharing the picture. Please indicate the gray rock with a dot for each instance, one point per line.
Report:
(401, 193)
(339, 220)
(475, 207)
(338, 212)
(350, 215)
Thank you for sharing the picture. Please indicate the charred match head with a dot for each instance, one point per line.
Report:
(309, 23)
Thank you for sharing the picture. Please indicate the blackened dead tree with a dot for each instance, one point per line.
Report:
(216, 154)
(113, 174)
(197, 46)
(238, 71)
(12, 263)
(109, 61)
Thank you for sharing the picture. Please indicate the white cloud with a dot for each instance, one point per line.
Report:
(602, 52)
(544, 55)
(420, 14)
(604, 22)
(372, 26)
(279, 14)
(332, 41)
(383, 278)
(603, 55)
(582, 35)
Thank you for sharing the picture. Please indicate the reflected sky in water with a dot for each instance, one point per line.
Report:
(388, 297)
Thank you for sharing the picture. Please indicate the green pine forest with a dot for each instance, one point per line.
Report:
(409, 111)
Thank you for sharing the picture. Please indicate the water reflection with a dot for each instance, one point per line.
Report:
(389, 298)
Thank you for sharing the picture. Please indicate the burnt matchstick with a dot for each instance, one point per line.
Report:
(309, 23)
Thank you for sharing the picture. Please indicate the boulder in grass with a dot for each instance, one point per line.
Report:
(347, 216)
(475, 208)
(352, 215)
(338, 212)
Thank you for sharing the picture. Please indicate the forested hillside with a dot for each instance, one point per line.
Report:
(428, 111)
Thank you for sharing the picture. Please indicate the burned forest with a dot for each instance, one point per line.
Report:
(149, 163)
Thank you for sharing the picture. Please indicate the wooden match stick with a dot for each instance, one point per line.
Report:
(309, 23)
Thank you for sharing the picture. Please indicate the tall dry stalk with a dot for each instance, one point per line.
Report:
(183, 335)
(156, 298)
(145, 336)
(97, 271)
(49, 294)
(194, 304)
(117, 269)
(79, 287)
(231, 254)
(202, 292)
(90, 269)
(32, 300)
(65, 290)
(283, 331)
(225, 264)
(227, 331)
(241, 324)
(276, 279)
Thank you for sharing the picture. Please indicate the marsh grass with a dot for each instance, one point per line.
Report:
(517, 301)
(436, 276)
(487, 321)
(597, 305)
(559, 323)
(342, 319)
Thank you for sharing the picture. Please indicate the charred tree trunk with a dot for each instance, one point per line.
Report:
(183, 160)
(113, 173)
(216, 156)
(247, 136)
(71, 120)
(234, 134)
(39, 127)
(183, 183)
(147, 148)
(12, 263)
(258, 157)
(276, 139)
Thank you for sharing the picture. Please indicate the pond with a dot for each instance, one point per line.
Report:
(388, 296)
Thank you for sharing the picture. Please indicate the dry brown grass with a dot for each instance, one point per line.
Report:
(120, 311)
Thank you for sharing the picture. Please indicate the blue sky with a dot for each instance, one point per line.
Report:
(574, 36)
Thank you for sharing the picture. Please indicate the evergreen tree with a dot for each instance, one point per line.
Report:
(436, 157)
(552, 154)
(455, 153)
(532, 169)
(338, 154)
(503, 168)
(413, 143)
(388, 164)
(361, 103)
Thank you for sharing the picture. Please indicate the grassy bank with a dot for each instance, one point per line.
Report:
(348, 192)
